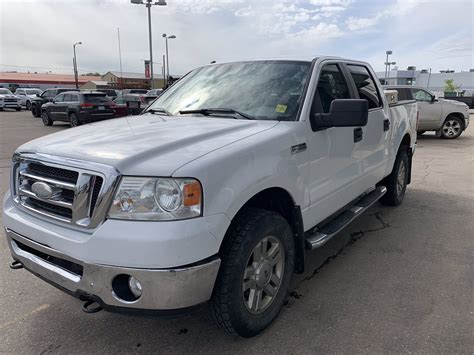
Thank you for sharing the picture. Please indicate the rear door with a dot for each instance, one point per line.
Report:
(372, 152)
(99, 106)
(335, 158)
(430, 111)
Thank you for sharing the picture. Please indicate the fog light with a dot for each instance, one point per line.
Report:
(135, 286)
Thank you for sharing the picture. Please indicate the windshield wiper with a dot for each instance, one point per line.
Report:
(217, 111)
(159, 111)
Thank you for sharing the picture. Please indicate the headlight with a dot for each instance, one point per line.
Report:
(157, 199)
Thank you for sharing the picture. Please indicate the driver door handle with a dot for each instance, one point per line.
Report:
(358, 134)
(386, 124)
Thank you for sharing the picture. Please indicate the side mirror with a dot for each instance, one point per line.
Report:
(433, 99)
(38, 95)
(342, 113)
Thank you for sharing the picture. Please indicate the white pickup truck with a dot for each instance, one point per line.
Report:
(214, 193)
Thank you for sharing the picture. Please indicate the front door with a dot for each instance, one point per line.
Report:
(54, 109)
(335, 165)
(430, 111)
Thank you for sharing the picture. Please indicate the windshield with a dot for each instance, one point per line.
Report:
(33, 91)
(5, 92)
(265, 90)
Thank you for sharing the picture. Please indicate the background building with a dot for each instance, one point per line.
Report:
(432, 81)
(127, 80)
(13, 80)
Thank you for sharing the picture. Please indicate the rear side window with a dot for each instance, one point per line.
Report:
(68, 97)
(96, 99)
(365, 85)
(331, 86)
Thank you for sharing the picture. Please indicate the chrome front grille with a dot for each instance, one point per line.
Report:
(75, 194)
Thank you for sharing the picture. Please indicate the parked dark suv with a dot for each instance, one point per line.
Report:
(77, 108)
(46, 96)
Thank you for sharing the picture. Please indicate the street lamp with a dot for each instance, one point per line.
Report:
(167, 59)
(389, 64)
(386, 65)
(74, 62)
(149, 4)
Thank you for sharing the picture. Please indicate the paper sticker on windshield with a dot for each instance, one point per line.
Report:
(281, 108)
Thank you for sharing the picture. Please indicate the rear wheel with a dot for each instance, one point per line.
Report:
(452, 128)
(73, 120)
(35, 111)
(257, 266)
(45, 118)
(396, 182)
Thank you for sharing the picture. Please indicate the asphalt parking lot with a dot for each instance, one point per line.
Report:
(398, 280)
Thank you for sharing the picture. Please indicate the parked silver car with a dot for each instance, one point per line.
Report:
(26, 95)
(9, 100)
(448, 118)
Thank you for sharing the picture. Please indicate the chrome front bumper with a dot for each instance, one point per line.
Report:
(163, 289)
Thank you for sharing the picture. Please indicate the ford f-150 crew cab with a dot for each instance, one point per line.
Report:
(214, 193)
(448, 118)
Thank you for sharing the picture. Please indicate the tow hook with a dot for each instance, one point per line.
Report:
(86, 307)
(16, 265)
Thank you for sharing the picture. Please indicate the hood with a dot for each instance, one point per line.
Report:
(452, 102)
(147, 144)
(8, 96)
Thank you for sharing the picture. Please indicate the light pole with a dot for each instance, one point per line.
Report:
(148, 4)
(75, 64)
(386, 65)
(389, 64)
(167, 58)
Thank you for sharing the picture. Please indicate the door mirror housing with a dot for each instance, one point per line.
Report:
(433, 98)
(342, 113)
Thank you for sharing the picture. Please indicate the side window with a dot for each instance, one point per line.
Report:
(67, 97)
(19, 92)
(404, 94)
(75, 98)
(59, 98)
(331, 86)
(49, 94)
(365, 85)
(421, 95)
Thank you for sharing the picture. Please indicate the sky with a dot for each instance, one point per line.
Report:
(37, 35)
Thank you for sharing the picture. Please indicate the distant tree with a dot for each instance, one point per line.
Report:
(91, 74)
(450, 86)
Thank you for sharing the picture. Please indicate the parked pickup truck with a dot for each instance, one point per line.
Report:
(214, 193)
(449, 118)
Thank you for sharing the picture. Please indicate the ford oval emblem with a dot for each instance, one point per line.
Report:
(42, 190)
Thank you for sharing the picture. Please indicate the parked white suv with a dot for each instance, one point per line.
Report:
(9, 100)
(26, 95)
(213, 194)
(448, 118)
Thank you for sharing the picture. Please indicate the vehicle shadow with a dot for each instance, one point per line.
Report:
(358, 265)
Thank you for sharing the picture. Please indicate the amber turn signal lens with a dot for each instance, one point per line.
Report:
(192, 194)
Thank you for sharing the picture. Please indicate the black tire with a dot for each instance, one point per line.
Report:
(73, 120)
(395, 188)
(229, 306)
(18, 108)
(45, 118)
(28, 105)
(452, 127)
(1, 108)
(35, 111)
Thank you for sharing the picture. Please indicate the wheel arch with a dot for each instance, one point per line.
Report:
(459, 115)
(279, 200)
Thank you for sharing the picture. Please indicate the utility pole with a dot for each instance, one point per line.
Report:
(387, 72)
(76, 79)
(148, 4)
(120, 58)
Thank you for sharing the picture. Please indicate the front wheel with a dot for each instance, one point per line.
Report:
(258, 257)
(35, 111)
(28, 105)
(396, 182)
(452, 128)
(18, 108)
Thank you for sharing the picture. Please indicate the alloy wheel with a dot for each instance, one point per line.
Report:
(263, 274)
(451, 128)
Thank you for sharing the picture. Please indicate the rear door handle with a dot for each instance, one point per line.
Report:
(386, 124)
(358, 134)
